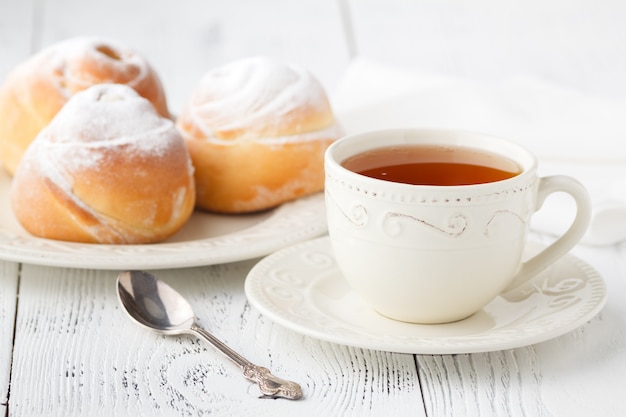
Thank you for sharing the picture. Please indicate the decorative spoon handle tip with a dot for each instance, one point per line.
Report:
(271, 385)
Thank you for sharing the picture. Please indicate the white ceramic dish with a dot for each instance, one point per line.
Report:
(205, 240)
(301, 288)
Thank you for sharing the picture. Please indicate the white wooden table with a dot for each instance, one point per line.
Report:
(67, 349)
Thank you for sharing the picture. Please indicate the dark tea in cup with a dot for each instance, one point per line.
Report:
(432, 165)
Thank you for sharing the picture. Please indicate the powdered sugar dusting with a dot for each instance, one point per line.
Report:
(65, 62)
(252, 91)
(99, 119)
(105, 116)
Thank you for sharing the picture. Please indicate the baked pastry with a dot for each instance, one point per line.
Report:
(256, 130)
(107, 169)
(37, 89)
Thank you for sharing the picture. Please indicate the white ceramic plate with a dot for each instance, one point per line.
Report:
(301, 288)
(206, 239)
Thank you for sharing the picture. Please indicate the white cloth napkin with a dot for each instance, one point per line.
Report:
(571, 133)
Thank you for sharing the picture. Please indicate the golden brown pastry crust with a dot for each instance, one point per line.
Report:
(257, 131)
(36, 90)
(107, 169)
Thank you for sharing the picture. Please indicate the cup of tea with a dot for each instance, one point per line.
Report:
(429, 226)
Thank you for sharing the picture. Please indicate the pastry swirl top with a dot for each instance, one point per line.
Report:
(78, 63)
(258, 99)
(104, 119)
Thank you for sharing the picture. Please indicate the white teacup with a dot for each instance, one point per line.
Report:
(439, 253)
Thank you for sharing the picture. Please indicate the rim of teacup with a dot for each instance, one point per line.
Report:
(346, 147)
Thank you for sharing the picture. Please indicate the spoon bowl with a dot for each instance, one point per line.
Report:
(155, 305)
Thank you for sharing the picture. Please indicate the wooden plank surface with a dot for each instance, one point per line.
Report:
(8, 302)
(77, 354)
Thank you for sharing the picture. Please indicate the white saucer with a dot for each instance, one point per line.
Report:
(301, 288)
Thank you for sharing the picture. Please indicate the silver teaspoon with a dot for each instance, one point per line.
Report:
(154, 304)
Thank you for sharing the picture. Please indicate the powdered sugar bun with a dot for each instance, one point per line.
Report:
(107, 169)
(37, 89)
(257, 130)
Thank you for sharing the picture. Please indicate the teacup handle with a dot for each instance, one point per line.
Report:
(547, 186)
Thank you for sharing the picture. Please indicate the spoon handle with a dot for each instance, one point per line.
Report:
(269, 384)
